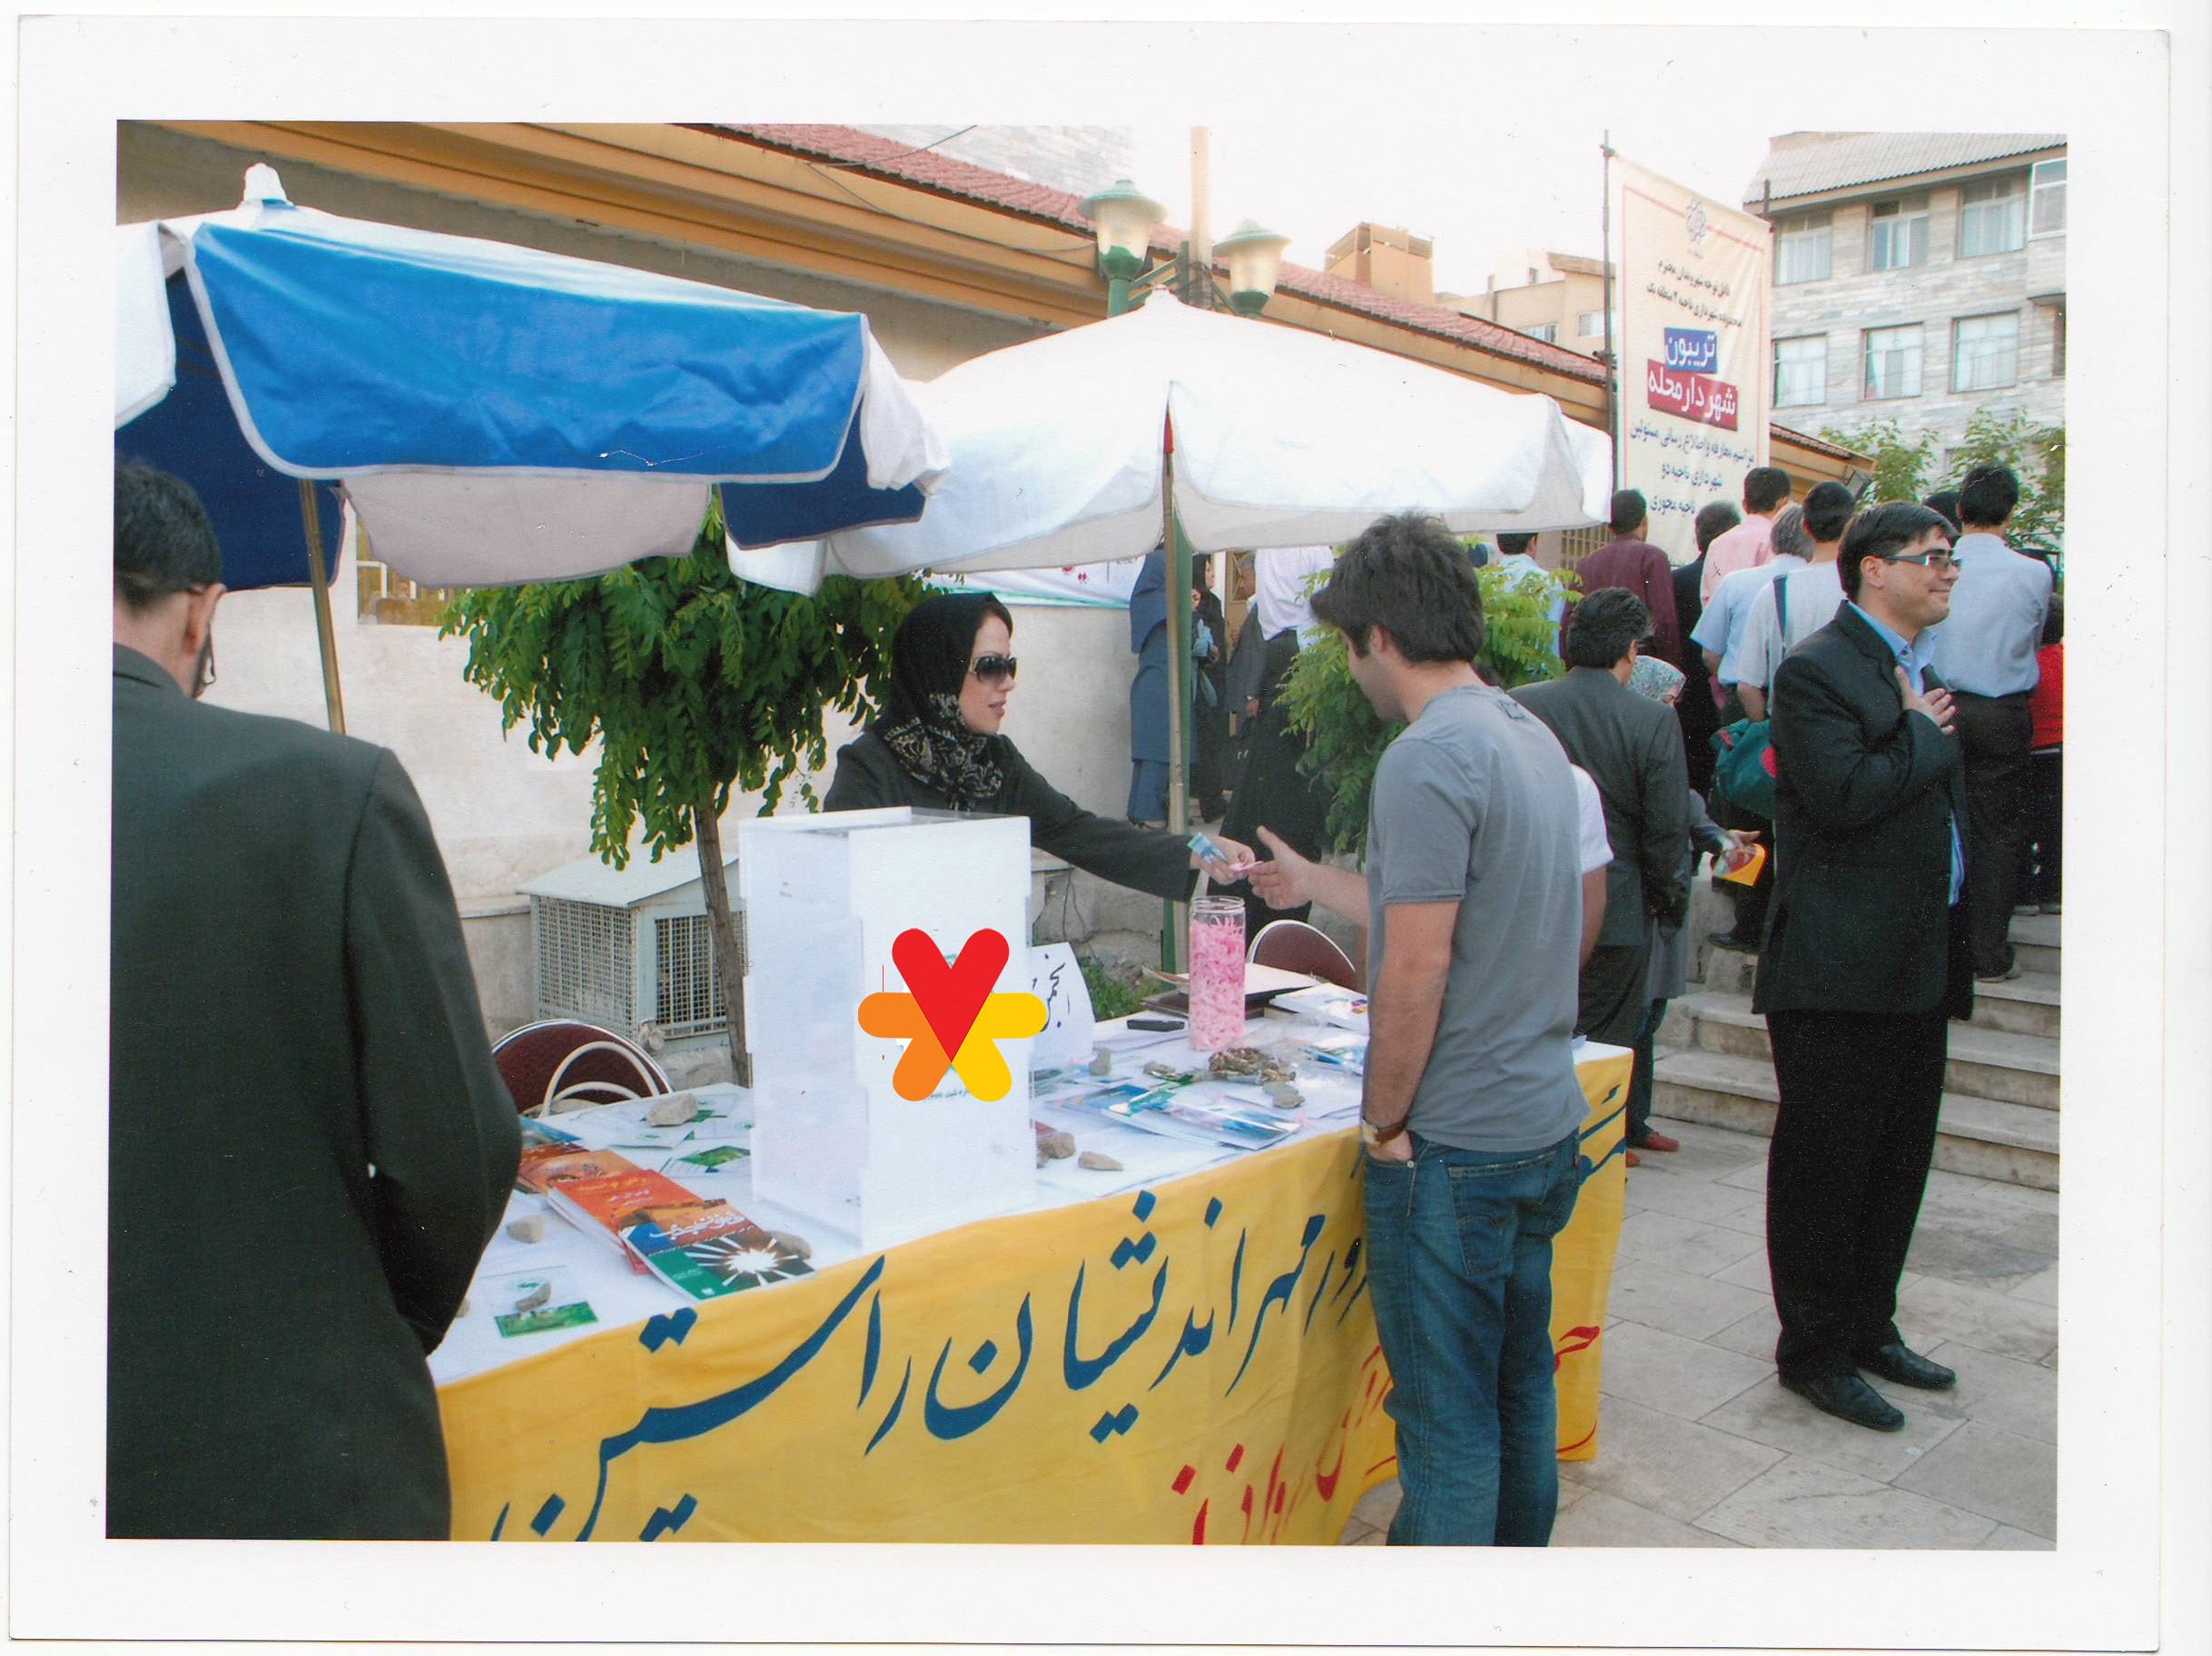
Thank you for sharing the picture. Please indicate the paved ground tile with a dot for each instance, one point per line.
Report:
(1804, 1503)
(1969, 1257)
(1600, 1520)
(2004, 1538)
(1753, 1335)
(1680, 1302)
(2001, 1392)
(1684, 1195)
(1683, 1244)
(2042, 1288)
(1769, 1415)
(1932, 1310)
(1670, 1465)
(1675, 1375)
(2000, 1474)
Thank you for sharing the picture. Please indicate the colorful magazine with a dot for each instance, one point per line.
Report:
(552, 1162)
(707, 1248)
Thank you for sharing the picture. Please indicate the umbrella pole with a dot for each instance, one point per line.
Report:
(1178, 695)
(333, 704)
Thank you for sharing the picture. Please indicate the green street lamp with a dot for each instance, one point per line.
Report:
(1124, 218)
(1255, 255)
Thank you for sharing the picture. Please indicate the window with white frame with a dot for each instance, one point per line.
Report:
(1547, 331)
(1800, 372)
(1803, 247)
(1985, 353)
(2047, 198)
(1897, 235)
(1892, 363)
(1992, 216)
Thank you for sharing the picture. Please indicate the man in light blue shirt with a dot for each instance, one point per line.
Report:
(1985, 651)
(1719, 632)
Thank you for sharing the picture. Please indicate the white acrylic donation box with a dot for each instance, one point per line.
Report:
(824, 899)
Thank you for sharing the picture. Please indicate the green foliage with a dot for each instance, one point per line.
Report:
(694, 683)
(1111, 996)
(2037, 455)
(1900, 468)
(1520, 646)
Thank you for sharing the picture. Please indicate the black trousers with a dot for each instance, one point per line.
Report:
(2046, 802)
(1751, 900)
(1993, 734)
(1844, 1176)
(1614, 991)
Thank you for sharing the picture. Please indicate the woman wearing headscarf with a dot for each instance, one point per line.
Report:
(936, 746)
(1273, 789)
(1662, 681)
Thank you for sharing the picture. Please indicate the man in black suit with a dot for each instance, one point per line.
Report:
(308, 1143)
(1694, 708)
(1866, 957)
(1630, 747)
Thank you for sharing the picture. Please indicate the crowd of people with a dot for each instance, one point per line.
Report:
(1528, 868)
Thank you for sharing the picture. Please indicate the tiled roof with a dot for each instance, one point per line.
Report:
(929, 170)
(1804, 163)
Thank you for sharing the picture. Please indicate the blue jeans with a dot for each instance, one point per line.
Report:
(1459, 1267)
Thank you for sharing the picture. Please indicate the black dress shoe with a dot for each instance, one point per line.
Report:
(1730, 941)
(1894, 1361)
(1847, 1397)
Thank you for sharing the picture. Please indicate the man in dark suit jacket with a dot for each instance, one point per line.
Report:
(308, 1143)
(1632, 748)
(1694, 708)
(1865, 958)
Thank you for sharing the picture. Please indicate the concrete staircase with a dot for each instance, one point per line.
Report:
(1999, 1115)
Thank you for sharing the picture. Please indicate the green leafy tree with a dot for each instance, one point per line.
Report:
(1901, 468)
(694, 684)
(1520, 645)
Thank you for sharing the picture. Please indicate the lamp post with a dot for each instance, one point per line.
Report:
(1125, 218)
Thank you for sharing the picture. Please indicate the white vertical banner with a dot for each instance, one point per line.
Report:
(1693, 350)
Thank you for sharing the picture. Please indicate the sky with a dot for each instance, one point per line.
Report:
(1518, 177)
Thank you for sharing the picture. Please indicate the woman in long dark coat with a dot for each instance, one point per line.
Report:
(936, 746)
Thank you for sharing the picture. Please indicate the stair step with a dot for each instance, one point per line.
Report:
(2041, 930)
(2025, 1005)
(2001, 1064)
(1986, 1137)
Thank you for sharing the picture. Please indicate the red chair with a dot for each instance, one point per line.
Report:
(561, 1059)
(1292, 945)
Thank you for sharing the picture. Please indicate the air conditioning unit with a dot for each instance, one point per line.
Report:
(630, 949)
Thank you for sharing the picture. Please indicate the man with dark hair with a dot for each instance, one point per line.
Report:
(1766, 490)
(1472, 904)
(1632, 749)
(1987, 653)
(1866, 957)
(1515, 557)
(1630, 562)
(1696, 708)
(1797, 605)
(308, 1143)
(1946, 501)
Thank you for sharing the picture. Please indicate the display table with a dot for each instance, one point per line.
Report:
(1193, 1359)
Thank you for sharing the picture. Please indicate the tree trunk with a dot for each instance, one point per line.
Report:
(729, 958)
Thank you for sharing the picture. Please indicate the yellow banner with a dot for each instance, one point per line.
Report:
(1192, 1363)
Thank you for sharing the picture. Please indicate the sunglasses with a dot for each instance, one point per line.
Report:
(994, 669)
(1935, 563)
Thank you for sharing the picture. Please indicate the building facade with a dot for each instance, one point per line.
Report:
(1558, 298)
(1919, 277)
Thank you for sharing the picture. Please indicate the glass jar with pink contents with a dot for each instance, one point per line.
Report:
(1217, 973)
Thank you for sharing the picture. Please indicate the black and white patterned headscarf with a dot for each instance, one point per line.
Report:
(921, 723)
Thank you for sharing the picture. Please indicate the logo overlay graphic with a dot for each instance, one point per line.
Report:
(949, 1018)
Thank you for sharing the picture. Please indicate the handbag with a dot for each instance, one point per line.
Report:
(1744, 752)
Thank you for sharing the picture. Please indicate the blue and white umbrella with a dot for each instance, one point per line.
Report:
(494, 414)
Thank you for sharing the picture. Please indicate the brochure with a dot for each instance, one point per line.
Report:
(532, 1302)
(1345, 1008)
(1178, 1112)
(1345, 1053)
(707, 1248)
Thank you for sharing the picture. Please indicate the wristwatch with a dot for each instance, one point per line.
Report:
(1371, 1135)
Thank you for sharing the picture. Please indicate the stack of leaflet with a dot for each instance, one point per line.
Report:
(701, 1247)
(1176, 1112)
(1340, 1051)
(710, 1140)
(1345, 1008)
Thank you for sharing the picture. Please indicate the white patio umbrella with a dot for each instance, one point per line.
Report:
(1281, 437)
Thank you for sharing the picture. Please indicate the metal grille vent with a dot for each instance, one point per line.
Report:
(687, 995)
(585, 962)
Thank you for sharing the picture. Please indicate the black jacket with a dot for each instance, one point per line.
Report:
(1865, 795)
(1632, 748)
(308, 1143)
(869, 776)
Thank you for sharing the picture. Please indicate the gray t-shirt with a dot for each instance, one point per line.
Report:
(1475, 803)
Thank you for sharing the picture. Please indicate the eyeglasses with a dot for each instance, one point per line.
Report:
(1935, 563)
(994, 669)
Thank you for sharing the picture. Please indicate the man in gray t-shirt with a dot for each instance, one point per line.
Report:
(1472, 898)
